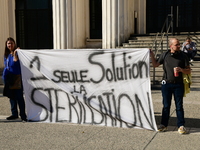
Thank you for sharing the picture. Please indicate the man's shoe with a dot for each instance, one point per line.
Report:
(24, 120)
(182, 130)
(11, 117)
(162, 128)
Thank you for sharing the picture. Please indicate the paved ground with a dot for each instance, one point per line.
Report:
(16, 135)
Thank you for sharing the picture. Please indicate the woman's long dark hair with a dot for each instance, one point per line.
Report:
(7, 51)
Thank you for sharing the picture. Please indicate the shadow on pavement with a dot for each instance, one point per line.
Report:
(189, 122)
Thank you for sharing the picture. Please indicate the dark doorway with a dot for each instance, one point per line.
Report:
(34, 24)
(95, 19)
(186, 15)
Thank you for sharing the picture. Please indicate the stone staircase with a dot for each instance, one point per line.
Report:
(146, 41)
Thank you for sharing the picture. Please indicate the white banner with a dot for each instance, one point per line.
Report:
(85, 86)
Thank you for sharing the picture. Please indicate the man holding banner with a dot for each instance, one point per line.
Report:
(175, 63)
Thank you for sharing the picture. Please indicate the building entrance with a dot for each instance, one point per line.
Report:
(186, 15)
(34, 24)
(95, 19)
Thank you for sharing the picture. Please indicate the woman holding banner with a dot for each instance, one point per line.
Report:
(12, 80)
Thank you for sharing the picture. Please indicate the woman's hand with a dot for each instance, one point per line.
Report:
(15, 54)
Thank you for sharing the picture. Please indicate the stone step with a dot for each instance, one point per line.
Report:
(142, 42)
(149, 42)
(159, 78)
(158, 87)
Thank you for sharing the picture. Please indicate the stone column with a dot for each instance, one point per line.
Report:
(142, 16)
(62, 24)
(115, 23)
(7, 25)
(109, 24)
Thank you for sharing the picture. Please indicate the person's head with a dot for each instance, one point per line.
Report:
(174, 45)
(188, 40)
(10, 46)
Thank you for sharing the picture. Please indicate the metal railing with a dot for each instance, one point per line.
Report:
(158, 42)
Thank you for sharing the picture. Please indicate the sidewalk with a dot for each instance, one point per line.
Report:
(22, 136)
